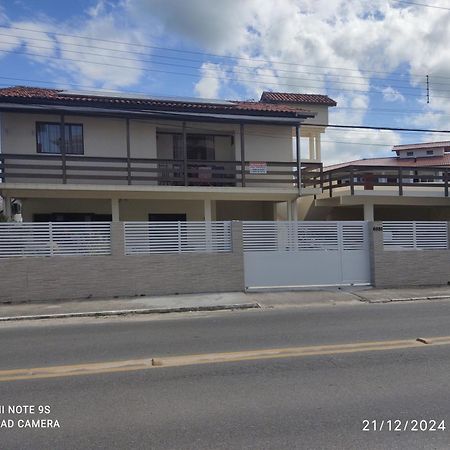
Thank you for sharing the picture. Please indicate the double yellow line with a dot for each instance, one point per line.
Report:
(214, 358)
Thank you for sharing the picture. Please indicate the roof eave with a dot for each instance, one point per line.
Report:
(241, 117)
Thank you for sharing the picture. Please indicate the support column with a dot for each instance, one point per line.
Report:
(311, 147)
(128, 151)
(299, 159)
(242, 137)
(115, 210)
(62, 147)
(369, 212)
(288, 210)
(208, 210)
(7, 208)
(318, 148)
(184, 144)
(294, 210)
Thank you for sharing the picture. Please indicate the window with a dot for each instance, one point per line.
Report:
(409, 153)
(430, 152)
(48, 138)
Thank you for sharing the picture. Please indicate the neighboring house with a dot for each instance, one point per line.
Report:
(413, 185)
(74, 156)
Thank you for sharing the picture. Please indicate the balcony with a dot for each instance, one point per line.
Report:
(75, 169)
(399, 180)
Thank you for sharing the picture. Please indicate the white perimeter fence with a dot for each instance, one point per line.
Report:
(415, 235)
(55, 239)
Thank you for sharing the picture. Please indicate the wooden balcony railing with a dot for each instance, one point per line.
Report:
(154, 171)
(398, 178)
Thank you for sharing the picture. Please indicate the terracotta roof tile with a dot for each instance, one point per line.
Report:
(292, 97)
(436, 161)
(28, 94)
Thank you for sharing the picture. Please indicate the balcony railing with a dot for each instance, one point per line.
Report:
(399, 179)
(154, 171)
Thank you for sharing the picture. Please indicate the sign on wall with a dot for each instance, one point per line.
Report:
(258, 168)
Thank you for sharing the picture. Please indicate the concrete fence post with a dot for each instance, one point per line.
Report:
(238, 250)
(236, 237)
(117, 239)
(448, 235)
(376, 246)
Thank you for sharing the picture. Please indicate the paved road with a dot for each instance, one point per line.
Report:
(312, 402)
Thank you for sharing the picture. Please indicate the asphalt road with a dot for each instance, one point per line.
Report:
(309, 402)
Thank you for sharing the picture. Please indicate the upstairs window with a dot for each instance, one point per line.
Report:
(48, 138)
(409, 153)
(430, 152)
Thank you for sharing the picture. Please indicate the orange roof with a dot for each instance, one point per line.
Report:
(25, 94)
(430, 161)
(292, 97)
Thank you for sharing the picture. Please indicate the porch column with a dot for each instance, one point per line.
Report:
(115, 210)
(62, 146)
(294, 210)
(299, 158)
(7, 208)
(208, 210)
(369, 212)
(184, 145)
(311, 147)
(318, 148)
(288, 210)
(242, 136)
(128, 151)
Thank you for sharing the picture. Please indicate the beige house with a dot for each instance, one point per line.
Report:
(73, 156)
(413, 185)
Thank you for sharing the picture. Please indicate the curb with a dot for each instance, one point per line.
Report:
(410, 299)
(126, 312)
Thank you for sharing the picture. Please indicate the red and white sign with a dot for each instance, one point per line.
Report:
(258, 168)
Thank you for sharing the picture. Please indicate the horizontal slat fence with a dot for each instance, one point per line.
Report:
(415, 235)
(176, 237)
(303, 236)
(55, 239)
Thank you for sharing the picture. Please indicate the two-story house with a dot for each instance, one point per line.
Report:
(77, 156)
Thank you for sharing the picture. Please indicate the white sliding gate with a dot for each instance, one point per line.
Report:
(296, 254)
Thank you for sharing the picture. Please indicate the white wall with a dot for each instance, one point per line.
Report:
(102, 136)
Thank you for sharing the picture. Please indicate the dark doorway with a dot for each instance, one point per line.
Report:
(167, 217)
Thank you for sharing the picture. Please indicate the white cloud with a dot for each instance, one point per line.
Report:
(329, 46)
(209, 84)
(392, 95)
(91, 61)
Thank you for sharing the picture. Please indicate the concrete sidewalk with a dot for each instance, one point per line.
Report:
(215, 302)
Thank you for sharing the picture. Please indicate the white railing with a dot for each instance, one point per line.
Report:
(415, 235)
(176, 237)
(304, 236)
(55, 239)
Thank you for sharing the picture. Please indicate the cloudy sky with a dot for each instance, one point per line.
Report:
(371, 56)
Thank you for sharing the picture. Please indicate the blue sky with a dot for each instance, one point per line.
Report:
(371, 56)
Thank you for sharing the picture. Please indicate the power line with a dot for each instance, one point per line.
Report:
(89, 88)
(177, 58)
(422, 4)
(201, 68)
(364, 127)
(204, 54)
(252, 80)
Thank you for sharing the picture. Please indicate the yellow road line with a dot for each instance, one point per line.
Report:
(212, 358)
